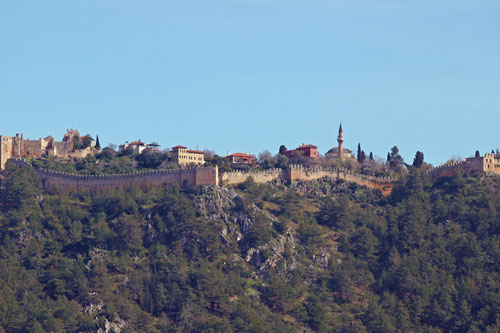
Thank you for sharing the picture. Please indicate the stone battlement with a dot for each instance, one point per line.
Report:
(298, 172)
(190, 177)
(487, 163)
(239, 176)
(447, 170)
(302, 173)
(187, 177)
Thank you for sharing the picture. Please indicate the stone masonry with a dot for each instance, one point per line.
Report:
(488, 163)
(186, 177)
(18, 147)
(190, 177)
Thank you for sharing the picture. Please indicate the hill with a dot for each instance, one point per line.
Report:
(327, 255)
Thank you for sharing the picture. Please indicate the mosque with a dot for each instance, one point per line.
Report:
(339, 152)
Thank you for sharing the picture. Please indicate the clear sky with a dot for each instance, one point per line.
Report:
(250, 75)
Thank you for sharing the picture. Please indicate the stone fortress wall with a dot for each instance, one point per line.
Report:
(239, 176)
(449, 170)
(190, 177)
(298, 172)
(489, 163)
(187, 177)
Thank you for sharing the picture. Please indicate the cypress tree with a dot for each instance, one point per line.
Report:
(371, 156)
(362, 156)
(97, 143)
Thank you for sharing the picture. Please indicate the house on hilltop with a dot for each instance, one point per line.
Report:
(305, 154)
(153, 146)
(303, 151)
(241, 159)
(136, 146)
(139, 146)
(183, 156)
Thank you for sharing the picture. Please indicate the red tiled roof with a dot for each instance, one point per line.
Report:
(241, 155)
(137, 143)
(307, 146)
(176, 147)
(195, 152)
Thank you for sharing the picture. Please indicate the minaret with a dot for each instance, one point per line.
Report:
(340, 140)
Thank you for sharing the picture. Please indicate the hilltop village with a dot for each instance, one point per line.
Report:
(74, 146)
(184, 166)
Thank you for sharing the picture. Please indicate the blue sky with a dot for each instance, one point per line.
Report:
(250, 75)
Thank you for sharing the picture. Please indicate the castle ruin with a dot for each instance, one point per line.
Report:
(489, 163)
(16, 147)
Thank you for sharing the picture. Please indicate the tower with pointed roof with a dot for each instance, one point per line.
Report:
(339, 152)
(340, 140)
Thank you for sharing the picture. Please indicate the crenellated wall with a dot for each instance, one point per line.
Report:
(298, 172)
(190, 177)
(237, 177)
(449, 170)
(187, 177)
(489, 164)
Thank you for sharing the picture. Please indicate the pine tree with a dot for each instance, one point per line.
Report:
(394, 158)
(418, 161)
(371, 156)
(97, 143)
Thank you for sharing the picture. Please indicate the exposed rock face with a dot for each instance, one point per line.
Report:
(116, 326)
(220, 204)
(216, 204)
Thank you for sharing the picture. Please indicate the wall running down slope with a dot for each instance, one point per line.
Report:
(298, 172)
(190, 177)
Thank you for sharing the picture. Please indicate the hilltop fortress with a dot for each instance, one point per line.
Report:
(71, 146)
(190, 177)
(489, 163)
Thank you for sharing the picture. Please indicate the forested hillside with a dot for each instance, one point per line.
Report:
(325, 256)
